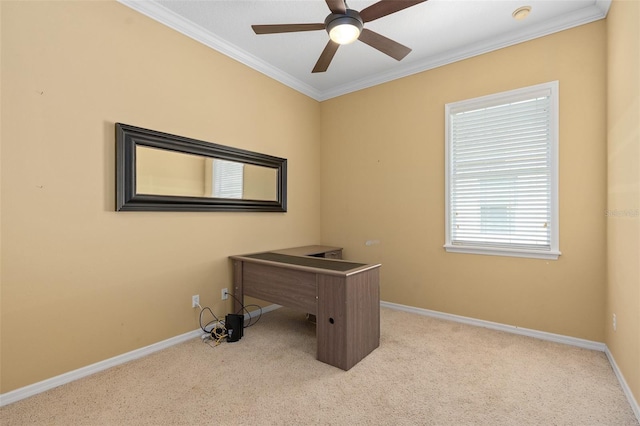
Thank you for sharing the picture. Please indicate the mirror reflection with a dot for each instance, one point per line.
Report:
(163, 172)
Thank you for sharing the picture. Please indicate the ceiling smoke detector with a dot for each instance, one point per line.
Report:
(520, 13)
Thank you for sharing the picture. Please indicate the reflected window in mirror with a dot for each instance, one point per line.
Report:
(224, 179)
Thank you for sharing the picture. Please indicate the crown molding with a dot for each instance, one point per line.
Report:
(598, 10)
(587, 15)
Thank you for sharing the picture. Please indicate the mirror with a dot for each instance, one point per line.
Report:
(161, 172)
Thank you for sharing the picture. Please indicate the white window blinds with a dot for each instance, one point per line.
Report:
(501, 173)
(228, 179)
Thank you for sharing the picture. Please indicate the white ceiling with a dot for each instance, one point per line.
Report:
(438, 31)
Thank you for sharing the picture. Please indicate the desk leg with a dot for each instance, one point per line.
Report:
(238, 300)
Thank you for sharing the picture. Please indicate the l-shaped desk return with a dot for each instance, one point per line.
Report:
(344, 296)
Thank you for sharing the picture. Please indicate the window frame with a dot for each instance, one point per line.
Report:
(530, 92)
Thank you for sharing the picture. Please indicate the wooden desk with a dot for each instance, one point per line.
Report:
(344, 296)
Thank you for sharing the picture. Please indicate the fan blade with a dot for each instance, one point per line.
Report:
(286, 28)
(392, 48)
(386, 7)
(337, 6)
(325, 58)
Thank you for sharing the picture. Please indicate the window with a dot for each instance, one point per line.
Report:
(502, 173)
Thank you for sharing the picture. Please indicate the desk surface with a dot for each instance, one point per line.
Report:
(294, 259)
(313, 262)
(307, 250)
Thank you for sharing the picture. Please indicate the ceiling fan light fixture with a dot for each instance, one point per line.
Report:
(344, 29)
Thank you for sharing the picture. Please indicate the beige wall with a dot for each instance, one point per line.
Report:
(383, 179)
(623, 220)
(80, 282)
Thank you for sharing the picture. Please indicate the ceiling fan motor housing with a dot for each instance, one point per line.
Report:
(350, 17)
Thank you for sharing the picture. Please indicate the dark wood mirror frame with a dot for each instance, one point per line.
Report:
(127, 199)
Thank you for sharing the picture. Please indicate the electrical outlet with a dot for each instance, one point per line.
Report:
(225, 293)
(195, 300)
(615, 322)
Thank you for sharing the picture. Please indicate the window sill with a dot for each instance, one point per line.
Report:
(492, 251)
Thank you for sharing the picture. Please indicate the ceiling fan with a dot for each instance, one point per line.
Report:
(345, 26)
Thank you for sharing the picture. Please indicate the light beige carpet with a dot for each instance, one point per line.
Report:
(425, 372)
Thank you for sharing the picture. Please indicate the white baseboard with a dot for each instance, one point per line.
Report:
(262, 310)
(45, 385)
(543, 335)
(623, 383)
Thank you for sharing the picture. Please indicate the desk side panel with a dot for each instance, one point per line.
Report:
(348, 322)
(286, 287)
(363, 314)
(331, 321)
(238, 300)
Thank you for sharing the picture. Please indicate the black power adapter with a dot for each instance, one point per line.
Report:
(234, 323)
